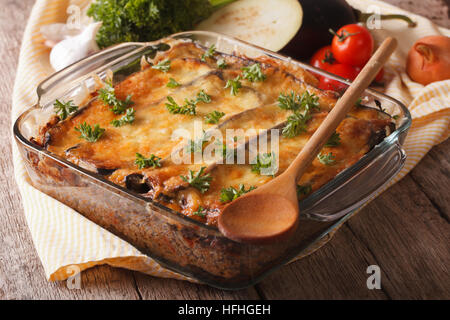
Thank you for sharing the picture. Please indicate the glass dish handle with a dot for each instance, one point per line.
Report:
(372, 178)
(84, 67)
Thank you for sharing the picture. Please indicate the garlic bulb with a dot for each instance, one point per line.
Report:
(74, 48)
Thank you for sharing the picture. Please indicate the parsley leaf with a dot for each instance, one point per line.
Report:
(296, 124)
(143, 162)
(231, 193)
(265, 161)
(163, 66)
(326, 159)
(198, 180)
(306, 102)
(201, 212)
(172, 83)
(253, 73)
(64, 109)
(234, 85)
(107, 95)
(187, 108)
(203, 97)
(209, 53)
(213, 117)
(221, 64)
(127, 118)
(89, 134)
(334, 140)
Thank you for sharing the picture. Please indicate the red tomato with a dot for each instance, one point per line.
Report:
(352, 45)
(323, 58)
(344, 70)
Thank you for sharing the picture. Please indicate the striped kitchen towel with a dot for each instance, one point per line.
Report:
(66, 242)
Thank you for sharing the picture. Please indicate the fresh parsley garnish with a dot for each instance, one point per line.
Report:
(231, 193)
(265, 161)
(303, 189)
(107, 95)
(172, 83)
(201, 212)
(213, 117)
(163, 66)
(334, 140)
(221, 64)
(64, 109)
(187, 108)
(209, 53)
(198, 180)
(89, 134)
(293, 101)
(326, 159)
(143, 162)
(395, 117)
(296, 124)
(234, 85)
(203, 97)
(253, 73)
(289, 101)
(128, 118)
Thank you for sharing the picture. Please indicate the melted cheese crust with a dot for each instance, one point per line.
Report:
(254, 107)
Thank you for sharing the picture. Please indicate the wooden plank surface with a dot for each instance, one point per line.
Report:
(405, 231)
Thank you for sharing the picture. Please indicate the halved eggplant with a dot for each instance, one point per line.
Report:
(267, 23)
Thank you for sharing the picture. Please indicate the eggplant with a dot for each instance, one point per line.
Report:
(267, 23)
(296, 27)
(319, 16)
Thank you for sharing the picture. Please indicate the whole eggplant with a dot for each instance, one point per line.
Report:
(319, 16)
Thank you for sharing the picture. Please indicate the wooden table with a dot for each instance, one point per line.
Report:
(405, 231)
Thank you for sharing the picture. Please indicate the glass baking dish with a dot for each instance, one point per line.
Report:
(175, 241)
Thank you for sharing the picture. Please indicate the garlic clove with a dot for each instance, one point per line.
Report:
(75, 48)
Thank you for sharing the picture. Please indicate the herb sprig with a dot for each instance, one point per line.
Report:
(265, 161)
(172, 83)
(334, 140)
(327, 159)
(128, 118)
(214, 117)
(89, 134)
(64, 109)
(296, 124)
(231, 193)
(221, 64)
(234, 85)
(293, 101)
(187, 108)
(201, 212)
(107, 95)
(209, 53)
(143, 162)
(253, 73)
(163, 66)
(199, 180)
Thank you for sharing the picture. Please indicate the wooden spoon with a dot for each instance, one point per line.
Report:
(270, 213)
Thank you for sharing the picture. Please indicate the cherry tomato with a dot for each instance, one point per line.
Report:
(344, 70)
(352, 45)
(323, 58)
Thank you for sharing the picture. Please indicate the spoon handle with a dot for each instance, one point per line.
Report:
(344, 104)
